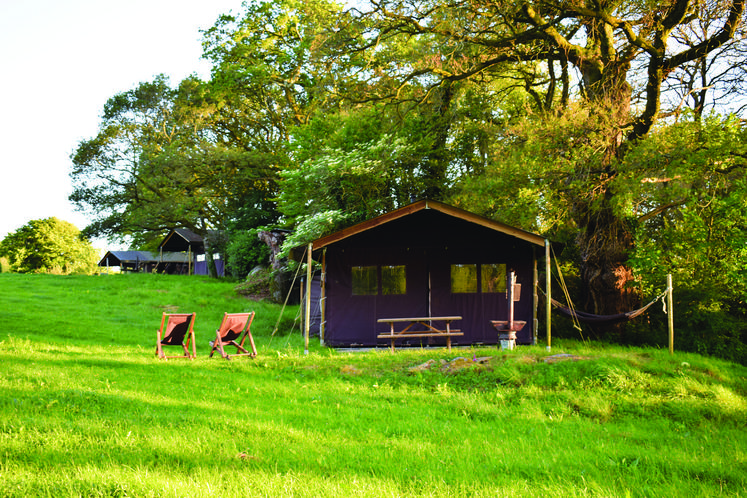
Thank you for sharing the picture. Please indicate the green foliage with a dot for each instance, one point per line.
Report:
(362, 181)
(539, 172)
(686, 186)
(155, 165)
(681, 190)
(312, 227)
(48, 246)
(268, 68)
(351, 169)
(244, 252)
(352, 166)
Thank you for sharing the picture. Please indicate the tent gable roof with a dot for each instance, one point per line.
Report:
(182, 240)
(423, 206)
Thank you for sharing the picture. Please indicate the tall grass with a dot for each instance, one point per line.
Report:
(87, 410)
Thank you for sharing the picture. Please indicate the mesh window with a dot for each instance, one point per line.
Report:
(463, 279)
(493, 278)
(393, 280)
(365, 281)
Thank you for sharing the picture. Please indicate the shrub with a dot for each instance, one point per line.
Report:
(257, 284)
(244, 252)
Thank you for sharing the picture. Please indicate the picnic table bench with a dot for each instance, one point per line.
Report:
(425, 321)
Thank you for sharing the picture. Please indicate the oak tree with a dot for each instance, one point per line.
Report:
(616, 53)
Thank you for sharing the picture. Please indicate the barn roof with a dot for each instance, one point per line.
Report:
(423, 206)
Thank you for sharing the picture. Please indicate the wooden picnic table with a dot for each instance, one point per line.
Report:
(425, 321)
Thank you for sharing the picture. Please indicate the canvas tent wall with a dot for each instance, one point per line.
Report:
(425, 259)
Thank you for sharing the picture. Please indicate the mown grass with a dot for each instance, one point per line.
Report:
(87, 410)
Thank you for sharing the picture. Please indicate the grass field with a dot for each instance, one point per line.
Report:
(87, 410)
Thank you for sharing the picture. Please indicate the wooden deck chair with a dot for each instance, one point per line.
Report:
(235, 326)
(177, 329)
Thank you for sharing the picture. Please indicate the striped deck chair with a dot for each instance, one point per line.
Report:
(177, 329)
(234, 327)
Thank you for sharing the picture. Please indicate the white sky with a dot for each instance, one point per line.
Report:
(59, 63)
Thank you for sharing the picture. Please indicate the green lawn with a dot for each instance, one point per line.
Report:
(87, 410)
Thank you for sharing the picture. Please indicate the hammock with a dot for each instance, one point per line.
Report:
(591, 318)
(581, 316)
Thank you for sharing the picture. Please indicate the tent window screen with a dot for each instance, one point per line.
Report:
(463, 279)
(393, 280)
(493, 278)
(365, 281)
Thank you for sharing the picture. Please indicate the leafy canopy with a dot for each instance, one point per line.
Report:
(49, 245)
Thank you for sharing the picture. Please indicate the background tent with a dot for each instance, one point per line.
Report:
(181, 240)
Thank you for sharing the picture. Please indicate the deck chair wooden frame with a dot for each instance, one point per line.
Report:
(177, 329)
(234, 327)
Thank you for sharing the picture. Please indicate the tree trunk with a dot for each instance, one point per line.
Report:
(208, 246)
(212, 269)
(282, 279)
(605, 240)
(436, 162)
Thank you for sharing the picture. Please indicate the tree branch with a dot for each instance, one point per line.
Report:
(706, 46)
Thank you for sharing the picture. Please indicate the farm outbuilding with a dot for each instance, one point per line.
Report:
(426, 259)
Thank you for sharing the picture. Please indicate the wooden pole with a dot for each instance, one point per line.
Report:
(510, 292)
(548, 304)
(323, 298)
(670, 313)
(308, 300)
(535, 299)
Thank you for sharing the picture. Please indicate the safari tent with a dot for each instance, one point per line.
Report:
(426, 259)
(192, 246)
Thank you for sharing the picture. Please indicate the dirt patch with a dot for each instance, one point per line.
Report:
(564, 357)
(452, 366)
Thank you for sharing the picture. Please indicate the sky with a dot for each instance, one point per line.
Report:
(60, 61)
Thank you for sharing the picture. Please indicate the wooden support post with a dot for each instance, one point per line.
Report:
(548, 304)
(323, 298)
(511, 334)
(510, 292)
(535, 299)
(308, 300)
(670, 313)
